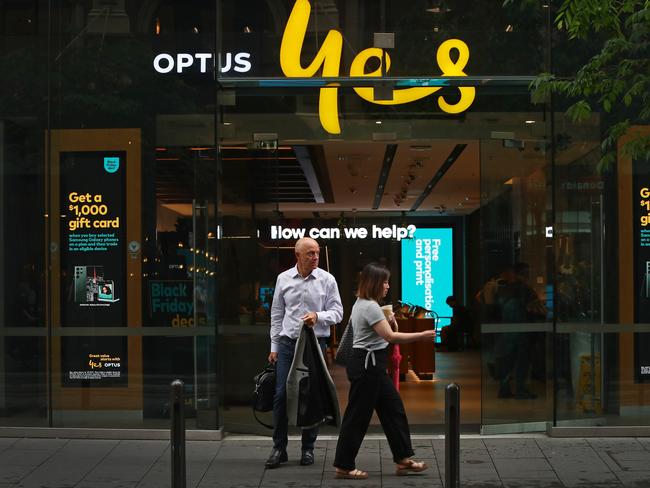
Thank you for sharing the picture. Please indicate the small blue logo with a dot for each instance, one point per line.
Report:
(112, 164)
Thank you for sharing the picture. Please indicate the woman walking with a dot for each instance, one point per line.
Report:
(370, 386)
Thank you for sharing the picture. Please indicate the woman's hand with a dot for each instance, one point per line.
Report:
(392, 321)
(428, 335)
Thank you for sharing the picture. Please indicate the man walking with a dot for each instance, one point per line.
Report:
(303, 294)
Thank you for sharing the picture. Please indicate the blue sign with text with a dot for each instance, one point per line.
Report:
(428, 269)
(111, 164)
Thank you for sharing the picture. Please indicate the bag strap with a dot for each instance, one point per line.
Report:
(263, 423)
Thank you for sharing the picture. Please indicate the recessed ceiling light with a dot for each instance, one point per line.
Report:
(378, 122)
(530, 121)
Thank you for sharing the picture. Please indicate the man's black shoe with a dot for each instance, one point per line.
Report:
(307, 457)
(275, 458)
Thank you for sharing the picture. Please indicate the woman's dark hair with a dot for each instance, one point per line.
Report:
(371, 281)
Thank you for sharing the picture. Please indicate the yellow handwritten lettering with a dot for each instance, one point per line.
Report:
(329, 58)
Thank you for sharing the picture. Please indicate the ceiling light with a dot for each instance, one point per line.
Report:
(530, 121)
(509, 28)
(378, 122)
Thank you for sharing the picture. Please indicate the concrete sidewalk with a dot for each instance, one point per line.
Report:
(515, 461)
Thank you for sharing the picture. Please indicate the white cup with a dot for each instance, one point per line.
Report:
(388, 311)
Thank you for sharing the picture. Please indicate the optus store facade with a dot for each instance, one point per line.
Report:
(159, 159)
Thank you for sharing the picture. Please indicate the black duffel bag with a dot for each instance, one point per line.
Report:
(264, 392)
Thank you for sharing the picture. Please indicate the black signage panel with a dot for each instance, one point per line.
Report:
(94, 361)
(93, 267)
(642, 267)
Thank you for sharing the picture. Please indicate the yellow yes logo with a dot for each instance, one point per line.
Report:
(329, 59)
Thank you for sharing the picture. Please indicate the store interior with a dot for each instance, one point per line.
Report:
(482, 190)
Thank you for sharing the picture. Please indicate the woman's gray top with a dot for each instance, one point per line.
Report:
(365, 314)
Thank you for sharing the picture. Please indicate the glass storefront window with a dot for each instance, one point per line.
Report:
(161, 158)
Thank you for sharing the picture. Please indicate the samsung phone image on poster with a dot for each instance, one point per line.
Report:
(92, 238)
(427, 269)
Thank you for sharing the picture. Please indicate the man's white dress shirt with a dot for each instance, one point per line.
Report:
(295, 296)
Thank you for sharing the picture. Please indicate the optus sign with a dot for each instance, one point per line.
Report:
(165, 63)
(329, 59)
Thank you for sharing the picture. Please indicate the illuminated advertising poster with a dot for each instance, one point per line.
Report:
(93, 264)
(92, 238)
(427, 269)
(641, 201)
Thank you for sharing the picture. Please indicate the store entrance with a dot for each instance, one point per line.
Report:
(438, 212)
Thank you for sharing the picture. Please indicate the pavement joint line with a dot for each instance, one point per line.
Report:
(604, 461)
(44, 460)
(83, 477)
(9, 446)
(216, 454)
(437, 460)
(152, 465)
(548, 461)
(614, 460)
(493, 463)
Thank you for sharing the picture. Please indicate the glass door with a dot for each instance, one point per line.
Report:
(516, 296)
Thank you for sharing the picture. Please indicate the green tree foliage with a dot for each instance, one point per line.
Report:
(616, 80)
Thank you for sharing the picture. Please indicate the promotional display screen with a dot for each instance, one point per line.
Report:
(641, 203)
(92, 238)
(93, 285)
(427, 269)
